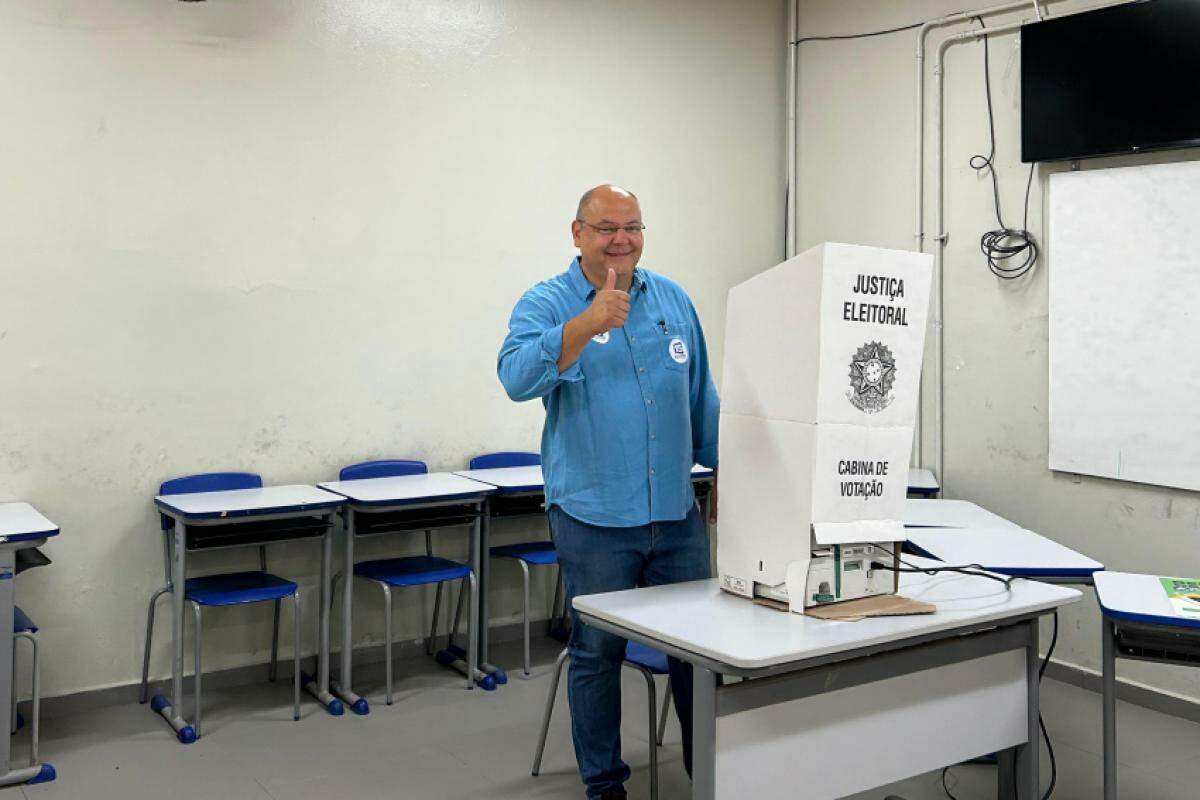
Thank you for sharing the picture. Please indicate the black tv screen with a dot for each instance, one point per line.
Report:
(1116, 80)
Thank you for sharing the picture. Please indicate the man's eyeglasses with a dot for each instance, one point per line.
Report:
(611, 230)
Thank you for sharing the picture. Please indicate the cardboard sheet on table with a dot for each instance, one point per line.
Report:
(887, 605)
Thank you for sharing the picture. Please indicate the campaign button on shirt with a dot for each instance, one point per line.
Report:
(678, 350)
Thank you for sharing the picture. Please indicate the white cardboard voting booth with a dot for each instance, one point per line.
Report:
(822, 365)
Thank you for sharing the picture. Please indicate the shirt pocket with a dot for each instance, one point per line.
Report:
(675, 346)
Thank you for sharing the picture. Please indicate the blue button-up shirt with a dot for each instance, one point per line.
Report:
(626, 421)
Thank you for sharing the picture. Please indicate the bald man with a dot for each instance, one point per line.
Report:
(617, 356)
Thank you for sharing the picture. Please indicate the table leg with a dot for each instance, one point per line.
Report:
(344, 686)
(1028, 772)
(172, 710)
(319, 688)
(704, 733)
(482, 538)
(486, 676)
(1017, 773)
(485, 579)
(1006, 774)
(7, 599)
(326, 592)
(1109, 671)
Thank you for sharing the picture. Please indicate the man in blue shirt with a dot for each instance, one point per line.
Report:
(618, 358)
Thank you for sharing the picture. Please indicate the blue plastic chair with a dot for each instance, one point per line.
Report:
(226, 589)
(648, 662)
(527, 554)
(407, 571)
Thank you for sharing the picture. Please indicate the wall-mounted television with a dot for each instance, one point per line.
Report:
(1121, 79)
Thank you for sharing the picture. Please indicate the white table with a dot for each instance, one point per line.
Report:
(21, 522)
(519, 491)
(21, 526)
(838, 707)
(1138, 622)
(921, 513)
(922, 482)
(404, 493)
(508, 480)
(1009, 551)
(229, 508)
(511, 480)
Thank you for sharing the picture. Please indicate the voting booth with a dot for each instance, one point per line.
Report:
(822, 366)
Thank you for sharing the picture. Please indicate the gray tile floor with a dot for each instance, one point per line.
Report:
(440, 741)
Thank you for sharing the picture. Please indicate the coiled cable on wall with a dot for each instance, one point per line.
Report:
(1010, 252)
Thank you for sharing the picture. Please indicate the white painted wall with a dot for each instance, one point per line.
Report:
(856, 150)
(284, 236)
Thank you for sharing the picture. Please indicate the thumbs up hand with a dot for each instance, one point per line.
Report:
(609, 307)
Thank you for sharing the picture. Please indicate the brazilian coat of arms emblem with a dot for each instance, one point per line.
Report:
(872, 373)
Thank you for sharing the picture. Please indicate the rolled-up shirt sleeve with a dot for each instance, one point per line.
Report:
(528, 360)
(705, 404)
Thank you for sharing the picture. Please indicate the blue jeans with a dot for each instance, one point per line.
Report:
(595, 559)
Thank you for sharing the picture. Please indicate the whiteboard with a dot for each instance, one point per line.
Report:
(1124, 345)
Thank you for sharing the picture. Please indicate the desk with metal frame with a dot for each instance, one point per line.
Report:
(520, 492)
(404, 496)
(1139, 623)
(1016, 552)
(21, 527)
(265, 512)
(839, 707)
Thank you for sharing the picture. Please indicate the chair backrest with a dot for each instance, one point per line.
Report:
(207, 482)
(505, 459)
(384, 468)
